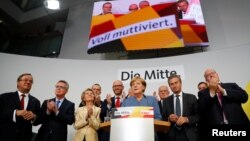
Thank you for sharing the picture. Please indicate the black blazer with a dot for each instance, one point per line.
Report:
(211, 111)
(160, 106)
(179, 14)
(190, 110)
(21, 130)
(54, 128)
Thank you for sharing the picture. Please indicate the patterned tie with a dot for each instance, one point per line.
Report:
(177, 106)
(117, 103)
(22, 101)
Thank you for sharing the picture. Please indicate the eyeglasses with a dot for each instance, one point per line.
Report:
(26, 80)
(60, 87)
(117, 86)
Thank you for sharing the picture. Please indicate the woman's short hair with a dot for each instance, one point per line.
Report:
(138, 78)
(83, 95)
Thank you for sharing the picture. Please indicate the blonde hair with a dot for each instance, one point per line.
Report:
(138, 78)
(83, 95)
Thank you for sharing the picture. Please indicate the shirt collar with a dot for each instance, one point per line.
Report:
(20, 93)
(117, 96)
(61, 100)
(180, 94)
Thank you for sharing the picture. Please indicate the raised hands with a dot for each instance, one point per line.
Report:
(108, 97)
(51, 106)
(90, 111)
(213, 84)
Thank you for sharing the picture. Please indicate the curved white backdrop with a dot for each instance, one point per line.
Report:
(232, 65)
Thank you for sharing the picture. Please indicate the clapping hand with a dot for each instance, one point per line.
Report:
(51, 106)
(90, 111)
(108, 97)
(213, 85)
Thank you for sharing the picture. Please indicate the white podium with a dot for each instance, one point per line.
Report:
(132, 124)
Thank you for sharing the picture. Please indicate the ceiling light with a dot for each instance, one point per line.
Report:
(52, 4)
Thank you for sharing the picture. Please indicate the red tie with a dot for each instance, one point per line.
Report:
(219, 95)
(117, 103)
(22, 101)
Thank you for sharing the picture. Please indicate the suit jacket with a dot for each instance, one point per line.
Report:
(87, 127)
(180, 14)
(21, 130)
(190, 110)
(103, 107)
(160, 106)
(211, 110)
(54, 127)
(113, 102)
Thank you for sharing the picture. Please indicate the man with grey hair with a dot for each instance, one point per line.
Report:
(18, 111)
(221, 102)
(220, 105)
(56, 114)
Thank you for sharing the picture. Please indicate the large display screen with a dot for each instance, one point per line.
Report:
(123, 25)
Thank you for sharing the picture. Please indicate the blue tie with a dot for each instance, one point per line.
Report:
(177, 106)
(58, 103)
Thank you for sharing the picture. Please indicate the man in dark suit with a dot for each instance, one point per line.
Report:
(116, 100)
(113, 102)
(181, 109)
(56, 114)
(220, 103)
(182, 6)
(163, 92)
(18, 111)
(97, 89)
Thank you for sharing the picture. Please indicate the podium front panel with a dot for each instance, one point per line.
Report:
(132, 124)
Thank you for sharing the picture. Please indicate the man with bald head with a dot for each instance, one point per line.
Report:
(116, 100)
(133, 7)
(144, 4)
(221, 102)
(113, 102)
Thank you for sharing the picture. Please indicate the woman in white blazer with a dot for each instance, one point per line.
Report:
(87, 118)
